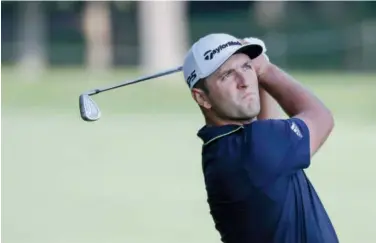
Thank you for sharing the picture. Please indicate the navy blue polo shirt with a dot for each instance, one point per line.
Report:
(256, 187)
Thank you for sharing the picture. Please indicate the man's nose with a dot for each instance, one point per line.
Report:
(241, 80)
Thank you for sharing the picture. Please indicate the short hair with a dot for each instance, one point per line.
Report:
(201, 84)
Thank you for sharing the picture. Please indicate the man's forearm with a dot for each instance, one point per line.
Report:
(290, 94)
(269, 106)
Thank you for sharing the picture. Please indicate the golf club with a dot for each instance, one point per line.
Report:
(90, 111)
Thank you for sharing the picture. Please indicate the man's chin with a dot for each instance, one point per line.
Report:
(245, 119)
(252, 116)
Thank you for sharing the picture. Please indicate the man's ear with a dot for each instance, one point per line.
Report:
(201, 98)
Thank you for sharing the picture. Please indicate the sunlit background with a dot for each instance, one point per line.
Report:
(135, 175)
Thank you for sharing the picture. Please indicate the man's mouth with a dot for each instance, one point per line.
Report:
(247, 96)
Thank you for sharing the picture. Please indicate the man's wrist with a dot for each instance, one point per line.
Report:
(266, 69)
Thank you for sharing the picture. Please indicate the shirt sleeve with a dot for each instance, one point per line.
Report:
(278, 147)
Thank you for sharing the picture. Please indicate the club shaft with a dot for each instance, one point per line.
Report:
(144, 78)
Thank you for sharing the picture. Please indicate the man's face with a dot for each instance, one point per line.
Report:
(233, 90)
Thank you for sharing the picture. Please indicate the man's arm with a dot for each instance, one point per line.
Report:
(298, 102)
(269, 106)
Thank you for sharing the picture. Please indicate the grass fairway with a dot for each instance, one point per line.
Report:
(135, 175)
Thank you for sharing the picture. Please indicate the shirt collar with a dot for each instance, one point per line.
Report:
(209, 134)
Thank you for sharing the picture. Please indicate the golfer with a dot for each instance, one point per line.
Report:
(253, 163)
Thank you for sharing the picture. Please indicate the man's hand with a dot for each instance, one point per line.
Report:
(261, 62)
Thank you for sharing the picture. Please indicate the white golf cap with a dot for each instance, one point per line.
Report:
(211, 51)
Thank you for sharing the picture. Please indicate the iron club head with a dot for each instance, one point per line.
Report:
(88, 108)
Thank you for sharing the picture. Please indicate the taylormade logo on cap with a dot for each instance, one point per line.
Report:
(210, 52)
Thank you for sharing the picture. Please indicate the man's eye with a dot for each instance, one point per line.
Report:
(226, 75)
(247, 66)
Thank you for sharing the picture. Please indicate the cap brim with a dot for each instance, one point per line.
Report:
(251, 50)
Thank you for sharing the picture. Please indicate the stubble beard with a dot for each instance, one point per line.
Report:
(244, 115)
